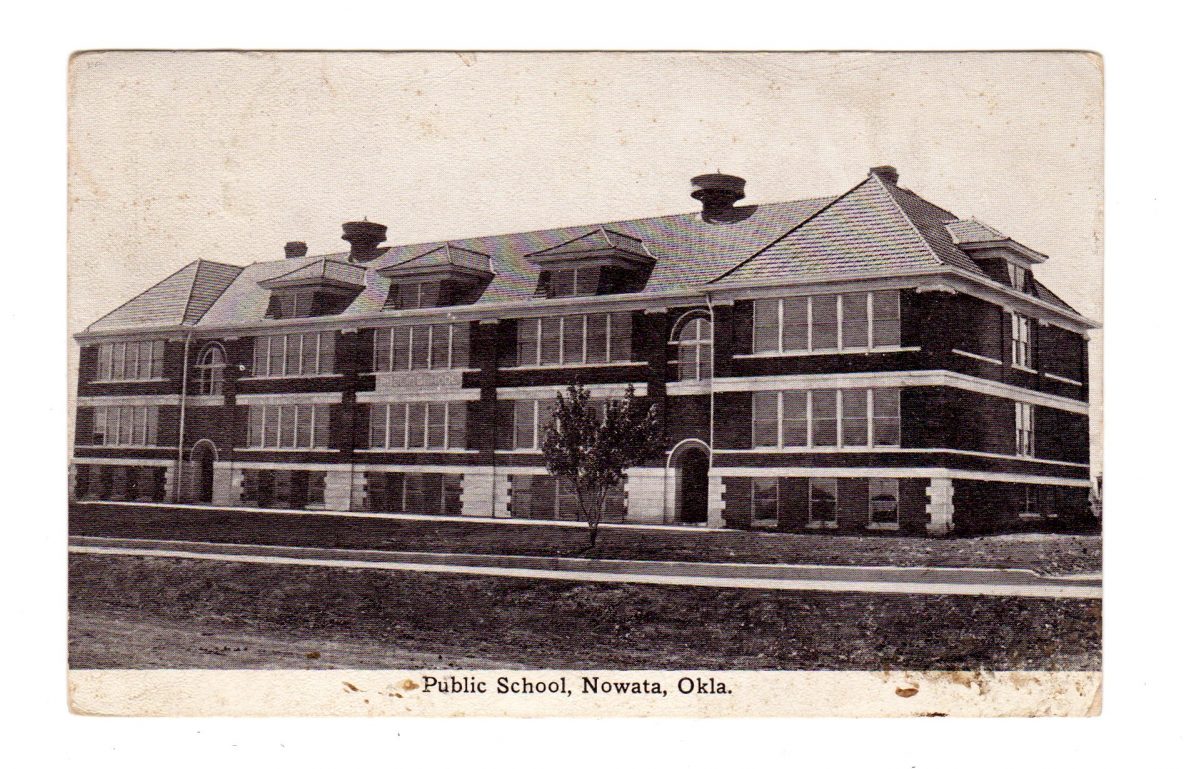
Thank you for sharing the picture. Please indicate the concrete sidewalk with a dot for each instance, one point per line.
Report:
(866, 579)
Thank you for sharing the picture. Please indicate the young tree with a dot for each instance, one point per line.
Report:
(591, 451)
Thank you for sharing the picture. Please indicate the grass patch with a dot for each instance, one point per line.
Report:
(1046, 553)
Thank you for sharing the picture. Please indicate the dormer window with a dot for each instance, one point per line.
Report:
(414, 296)
(1018, 276)
(577, 281)
(323, 287)
(444, 276)
(600, 261)
(296, 304)
(1001, 258)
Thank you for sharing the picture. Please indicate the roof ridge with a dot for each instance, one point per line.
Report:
(172, 274)
(189, 294)
(538, 230)
(912, 225)
(197, 276)
(789, 232)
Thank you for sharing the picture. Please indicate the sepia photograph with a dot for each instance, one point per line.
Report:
(679, 383)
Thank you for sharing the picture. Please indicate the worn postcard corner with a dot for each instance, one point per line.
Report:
(585, 384)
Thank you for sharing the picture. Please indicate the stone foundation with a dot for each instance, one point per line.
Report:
(940, 507)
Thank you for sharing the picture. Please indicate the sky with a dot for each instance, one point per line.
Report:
(227, 156)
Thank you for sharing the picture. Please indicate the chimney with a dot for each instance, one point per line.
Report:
(886, 173)
(718, 193)
(363, 238)
(294, 249)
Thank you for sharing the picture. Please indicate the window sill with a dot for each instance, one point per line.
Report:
(689, 387)
(1066, 380)
(421, 371)
(1030, 516)
(884, 526)
(546, 366)
(976, 356)
(415, 451)
(808, 353)
(119, 446)
(206, 400)
(128, 381)
(531, 452)
(290, 376)
(822, 525)
(269, 450)
(1019, 367)
(764, 524)
(818, 449)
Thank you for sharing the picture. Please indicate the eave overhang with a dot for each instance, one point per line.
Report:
(321, 274)
(947, 279)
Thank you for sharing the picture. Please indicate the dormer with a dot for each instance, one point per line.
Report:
(1002, 258)
(321, 287)
(444, 276)
(601, 261)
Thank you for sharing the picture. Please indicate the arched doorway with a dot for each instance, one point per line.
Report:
(203, 456)
(691, 463)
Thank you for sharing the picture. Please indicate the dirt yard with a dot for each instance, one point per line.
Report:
(134, 612)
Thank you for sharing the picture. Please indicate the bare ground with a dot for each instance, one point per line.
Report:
(141, 613)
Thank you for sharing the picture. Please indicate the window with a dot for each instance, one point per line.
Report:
(1017, 275)
(886, 416)
(1025, 431)
(575, 339)
(1021, 341)
(416, 296)
(131, 361)
(694, 350)
(826, 322)
(764, 501)
(824, 502)
(294, 355)
(764, 418)
(824, 417)
(885, 319)
(855, 422)
(418, 425)
(883, 502)
(211, 365)
(1026, 502)
(855, 319)
(577, 281)
(530, 418)
(408, 348)
(526, 424)
(125, 425)
(288, 427)
(292, 304)
(795, 418)
(851, 418)
(421, 493)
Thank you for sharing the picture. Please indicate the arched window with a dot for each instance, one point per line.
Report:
(210, 367)
(694, 350)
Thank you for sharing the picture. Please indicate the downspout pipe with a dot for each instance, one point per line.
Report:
(181, 426)
(711, 389)
(710, 407)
